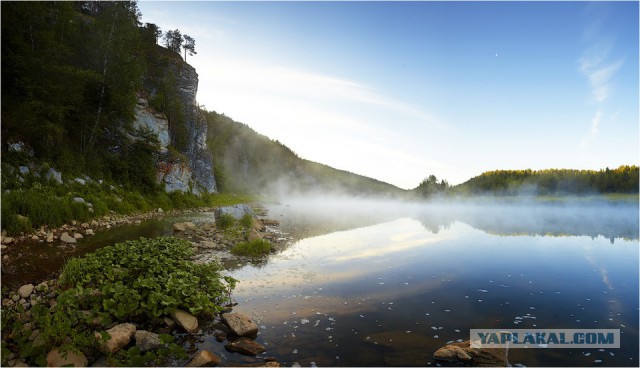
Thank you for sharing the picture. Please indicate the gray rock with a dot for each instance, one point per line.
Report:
(245, 346)
(78, 200)
(54, 175)
(183, 226)
(80, 181)
(56, 358)
(237, 211)
(207, 245)
(240, 324)
(49, 238)
(146, 340)
(120, 336)
(185, 320)
(204, 358)
(24, 170)
(7, 240)
(78, 236)
(89, 232)
(66, 238)
(20, 146)
(160, 210)
(25, 290)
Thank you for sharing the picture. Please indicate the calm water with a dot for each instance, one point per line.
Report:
(375, 284)
(386, 289)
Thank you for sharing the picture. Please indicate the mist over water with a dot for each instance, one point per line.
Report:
(383, 282)
(591, 216)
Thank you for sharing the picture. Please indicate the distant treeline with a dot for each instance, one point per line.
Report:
(623, 179)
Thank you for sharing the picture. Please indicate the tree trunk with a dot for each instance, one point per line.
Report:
(92, 135)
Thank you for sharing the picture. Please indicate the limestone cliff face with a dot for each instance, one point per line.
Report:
(200, 160)
(193, 170)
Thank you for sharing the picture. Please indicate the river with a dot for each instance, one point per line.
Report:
(377, 283)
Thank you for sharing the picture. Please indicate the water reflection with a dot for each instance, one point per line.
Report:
(390, 291)
(611, 220)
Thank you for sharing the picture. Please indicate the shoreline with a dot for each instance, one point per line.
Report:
(215, 248)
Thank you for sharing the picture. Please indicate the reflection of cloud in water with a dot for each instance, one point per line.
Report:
(341, 254)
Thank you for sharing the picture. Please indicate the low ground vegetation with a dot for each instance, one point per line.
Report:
(136, 281)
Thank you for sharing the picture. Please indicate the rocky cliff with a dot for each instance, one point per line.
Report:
(191, 168)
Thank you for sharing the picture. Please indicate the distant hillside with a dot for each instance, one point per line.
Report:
(250, 162)
(624, 179)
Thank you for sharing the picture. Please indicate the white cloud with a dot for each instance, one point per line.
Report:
(599, 71)
(332, 120)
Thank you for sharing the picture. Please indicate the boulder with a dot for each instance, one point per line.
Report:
(66, 238)
(185, 320)
(160, 210)
(204, 358)
(120, 336)
(80, 181)
(49, 238)
(258, 225)
(240, 324)
(245, 346)
(254, 235)
(237, 211)
(25, 290)
(89, 232)
(462, 353)
(78, 200)
(54, 176)
(56, 358)
(78, 236)
(183, 226)
(24, 170)
(146, 340)
(7, 240)
(207, 245)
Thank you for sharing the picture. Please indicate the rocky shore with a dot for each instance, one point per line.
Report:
(235, 330)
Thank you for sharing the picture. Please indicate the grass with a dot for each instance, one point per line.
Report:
(246, 221)
(254, 248)
(44, 203)
(225, 221)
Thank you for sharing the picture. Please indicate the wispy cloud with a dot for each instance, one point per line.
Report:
(595, 122)
(599, 71)
(333, 120)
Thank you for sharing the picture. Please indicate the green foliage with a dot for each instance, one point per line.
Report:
(246, 221)
(430, 186)
(144, 279)
(624, 179)
(225, 221)
(248, 162)
(135, 281)
(254, 248)
(69, 76)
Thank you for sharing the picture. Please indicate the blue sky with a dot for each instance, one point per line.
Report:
(401, 90)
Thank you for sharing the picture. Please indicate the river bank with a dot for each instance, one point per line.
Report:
(208, 243)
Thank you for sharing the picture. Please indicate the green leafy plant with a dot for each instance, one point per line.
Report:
(144, 279)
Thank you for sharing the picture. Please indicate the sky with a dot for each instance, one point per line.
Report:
(398, 91)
